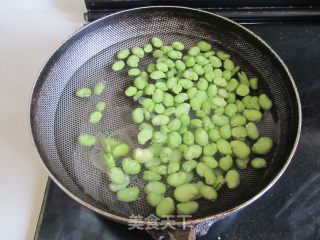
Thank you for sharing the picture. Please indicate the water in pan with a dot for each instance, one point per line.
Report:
(72, 116)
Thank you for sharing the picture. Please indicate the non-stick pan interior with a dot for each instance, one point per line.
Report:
(57, 116)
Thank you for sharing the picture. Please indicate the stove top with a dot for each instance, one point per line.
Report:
(289, 210)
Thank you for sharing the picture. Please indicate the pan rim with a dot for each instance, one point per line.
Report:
(188, 222)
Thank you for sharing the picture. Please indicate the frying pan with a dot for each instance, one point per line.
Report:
(57, 117)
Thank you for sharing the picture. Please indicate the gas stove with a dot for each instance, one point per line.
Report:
(291, 208)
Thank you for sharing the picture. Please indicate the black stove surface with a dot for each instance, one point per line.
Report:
(289, 210)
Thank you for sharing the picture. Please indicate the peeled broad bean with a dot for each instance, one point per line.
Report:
(210, 149)
(174, 139)
(232, 179)
(151, 176)
(225, 163)
(131, 166)
(147, 48)
(209, 176)
(242, 163)
(86, 140)
(208, 193)
(253, 83)
(252, 131)
(117, 187)
(138, 115)
(187, 208)
(263, 145)
(240, 149)
(155, 186)
(109, 160)
(188, 138)
(83, 92)
(214, 135)
(157, 42)
(128, 194)
(189, 165)
(210, 162)
(165, 207)
(120, 150)
(224, 146)
(178, 45)
(116, 175)
(201, 137)
(138, 51)
(160, 120)
(239, 132)
(258, 163)
(220, 120)
(95, 117)
(173, 167)
(132, 61)
(252, 115)
(265, 102)
(119, 65)
(225, 132)
(176, 179)
(185, 192)
(192, 152)
(242, 90)
(238, 120)
(142, 155)
(154, 198)
(122, 54)
(100, 106)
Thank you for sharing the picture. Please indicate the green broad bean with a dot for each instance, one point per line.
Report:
(242, 90)
(157, 53)
(154, 198)
(151, 176)
(139, 83)
(209, 54)
(138, 51)
(144, 136)
(161, 66)
(176, 179)
(223, 55)
(165, 154)
(99, 88)
(208, 68)
(181, 109)
(159, 137)
(131, 166)
(240, 149)
(204, 46)
(142, 155)
(161, 86)
(122, 54)
(200, 168)
(174, 139)
(162, 169)
(169, 111)
(239, 132)
(201, 137)
(189, 165)
(190, 74)
(214, 135)
(252, 115)
(258, 163)
(212, 90)
(210, 149)
(100, 106)
(152, 163)
(156, 149)
(208, 193)
(131, 91)
(198, 69)
(157, 96)
(116, 175)
(238, 120)
(224, 146)
(265, 102)
(145, 126)
(235, 70)
(174, 125)
(192, 152)
(180, 65)
(177, 89)
(190, 177)
(219, 81)
(225, 132)
(225, 163)
(83, 92)
(128, 194)
(220, 120)
(227, 74)
(247, 102)
(219, 182)
(188, 138)
(168, 100)
(156, 42)
(228, 65)
(148, 105)
(223, 92)
(201, 60)
(166, 49)
(132, 61)
(178, 45)
(202, 84)
(156, 75)
(120, 150)
(183, 129)
(174, 54)
(117, 187)
(242, 163)
(147, 48)
(253, 82)
(218, 101)
(210, 162)
(262, 146)
(192, 92)
(189, 61)
(86, 140)
(186, 192)
(180, 98)
(108, 143)
(187, 208)
(176, 155)
(151, 67)
(209, 75)
(194, 51)
(243, 78)
(231, 98)
(171, 64)
(173, 167)
(232, 179)
(138, 115)
(232, 85)
(207, 123)
(171, 82)
(195, 103)
(186, 83)
(159, 108)
(209, 176)
(109, 160)
(118, 65)
(164, 129)
(215, 62)
(147, 115)
(149, 89)
(165, 207)
(231, 110)
(95, 117)
(196, 123)
(219, 111)
(254, 103)
(252, 131)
